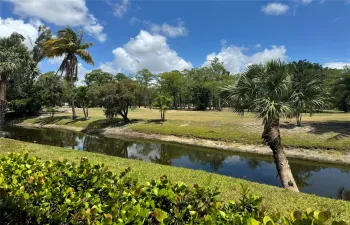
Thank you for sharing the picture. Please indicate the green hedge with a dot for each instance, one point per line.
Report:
(59, 192)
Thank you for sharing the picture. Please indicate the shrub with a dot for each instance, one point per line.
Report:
(59, 192)
(27, 106)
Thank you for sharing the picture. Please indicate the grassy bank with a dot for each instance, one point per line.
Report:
(281, 200)
(324, 131)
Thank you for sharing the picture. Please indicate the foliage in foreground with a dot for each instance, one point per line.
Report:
(58, 192)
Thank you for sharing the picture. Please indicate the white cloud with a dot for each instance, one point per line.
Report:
(306, 2)
(56, 60)
(169, 30)
(109, 68)
(336, 65)
(257, 46)
(275, 9)
(28, 30)
(95, 29)
(235, 60)
(147, 51)
(62, 13)
(121, 8)
(81, 74)
(134, 20)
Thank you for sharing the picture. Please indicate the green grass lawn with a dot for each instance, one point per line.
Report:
(324, 130)
(275, 199)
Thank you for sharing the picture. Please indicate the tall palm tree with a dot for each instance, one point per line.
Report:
(266, 89)
(70, 45)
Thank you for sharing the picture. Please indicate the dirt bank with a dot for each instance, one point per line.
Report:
(317, 155)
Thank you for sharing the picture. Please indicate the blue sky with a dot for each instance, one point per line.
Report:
(160, 35)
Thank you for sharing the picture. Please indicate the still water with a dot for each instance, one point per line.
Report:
(314, 178)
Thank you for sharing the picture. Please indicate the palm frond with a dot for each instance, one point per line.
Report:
(86, 45)
(85, 55)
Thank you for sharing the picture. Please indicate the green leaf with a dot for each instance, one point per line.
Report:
(144, 212)
(268, 221)
(251, 221)
(155, 191)
(160, 215)
(208, 218)
(94, 179)
(107, 221)
(222, 214)
(163, 192)
(26, 196)
(192, 213)
(324, 216)
(297, 215)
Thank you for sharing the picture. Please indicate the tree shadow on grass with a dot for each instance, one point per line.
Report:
(321, 127)
(104, 123)
(156, 121)
(340, 127)
(51, 120)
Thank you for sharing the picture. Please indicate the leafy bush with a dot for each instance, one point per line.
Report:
(59, 192)
(27, 106)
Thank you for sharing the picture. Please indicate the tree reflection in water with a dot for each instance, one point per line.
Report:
(343, 194)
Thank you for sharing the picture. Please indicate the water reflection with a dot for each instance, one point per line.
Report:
(343, 194)
(311, 178)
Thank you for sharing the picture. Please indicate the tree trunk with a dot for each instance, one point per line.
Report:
(298, 117)
(73, 110)
(2, 102)
(124, 114)
(272, 138)
(84, 111)
(126, 119)
(72, 83)
(162, 117)
(174, 98)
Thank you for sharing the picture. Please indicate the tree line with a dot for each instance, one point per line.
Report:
(27, 90)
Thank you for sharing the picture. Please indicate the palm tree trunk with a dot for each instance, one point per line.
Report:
(2, 102)
(74, 70)
(162, 115)
(272, 138)
(299, 115)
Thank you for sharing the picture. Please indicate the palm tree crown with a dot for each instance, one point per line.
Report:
(263, 89)
(70, 44)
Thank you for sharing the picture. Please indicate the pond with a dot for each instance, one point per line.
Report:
(314, 178)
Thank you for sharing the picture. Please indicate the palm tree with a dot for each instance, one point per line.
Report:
(308, 92)
(265, 89)
(70, 45)
(163, 103)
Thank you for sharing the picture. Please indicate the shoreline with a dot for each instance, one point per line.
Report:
(314, 155)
